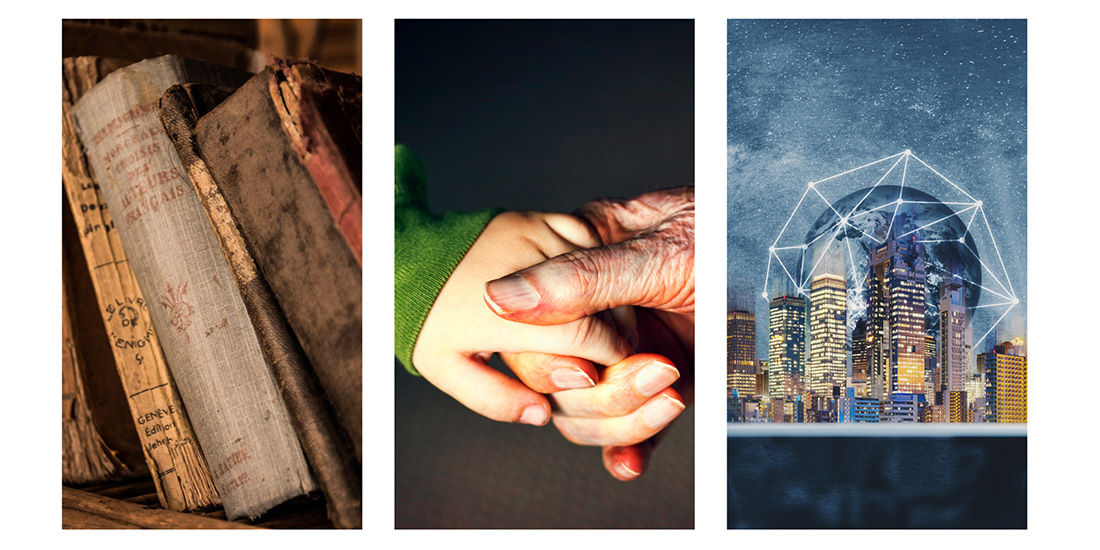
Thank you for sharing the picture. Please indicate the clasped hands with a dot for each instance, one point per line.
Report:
(594, 313)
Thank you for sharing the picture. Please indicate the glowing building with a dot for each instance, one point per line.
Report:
(931, 366)
(957, 411)
(1005, 382)
(780, 410)
(761, 377)
(741, 352)
(895, 331)
(786, 346)
(826, 366)
(955, 341)
(860, 357)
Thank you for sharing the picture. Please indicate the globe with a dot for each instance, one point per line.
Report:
(950, 251)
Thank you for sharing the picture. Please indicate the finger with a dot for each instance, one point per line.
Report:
(627, 463)
(588, 338)
(546, 373)
(628, 429)
(577, 232)
(647, 271)
(622, 388)
(488, 392)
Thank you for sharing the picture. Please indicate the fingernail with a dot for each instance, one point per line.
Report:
(571, 379)
(654, 378)
(661, 411)
(534, 415)
(624, 471)
(511, 294)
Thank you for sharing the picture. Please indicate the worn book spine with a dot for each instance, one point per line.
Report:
(307, 98)
(291, 234)
(172, 452)
(326, 446)
(211, 346)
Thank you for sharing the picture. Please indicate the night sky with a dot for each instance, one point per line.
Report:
(810, 99)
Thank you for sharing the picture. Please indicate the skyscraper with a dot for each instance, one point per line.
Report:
(741, 352)
(786, 345)
(860, 355)
(761, 377)
(955, 342)
(1005, 382)
(931, 366)
(826, 365)
(895, 332)
(957, 410)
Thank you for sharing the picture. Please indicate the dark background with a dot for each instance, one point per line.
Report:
(537, 115)
(877, 483)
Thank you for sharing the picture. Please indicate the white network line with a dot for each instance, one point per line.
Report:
(1006, 293)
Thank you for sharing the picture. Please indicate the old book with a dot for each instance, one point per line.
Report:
(212, 350)
(321, 113)
(327, 447)
(293, 236)
(85, 455)
(171, 449)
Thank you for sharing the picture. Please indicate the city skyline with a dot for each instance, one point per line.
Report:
(900, 368)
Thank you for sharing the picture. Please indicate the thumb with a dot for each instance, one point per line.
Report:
(654, 270)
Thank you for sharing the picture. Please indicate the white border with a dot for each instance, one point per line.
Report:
(1062, 119)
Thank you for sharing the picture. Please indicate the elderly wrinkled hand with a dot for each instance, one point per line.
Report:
(644, 276)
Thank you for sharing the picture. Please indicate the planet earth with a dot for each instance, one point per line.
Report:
(950, 251)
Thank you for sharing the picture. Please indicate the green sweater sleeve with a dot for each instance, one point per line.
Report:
(427, 249)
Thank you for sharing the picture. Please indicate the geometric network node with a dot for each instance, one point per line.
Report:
(789, 245)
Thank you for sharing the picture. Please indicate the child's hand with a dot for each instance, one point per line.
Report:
(632, 404)
(460, 333)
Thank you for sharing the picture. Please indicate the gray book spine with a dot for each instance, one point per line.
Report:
(212, 349)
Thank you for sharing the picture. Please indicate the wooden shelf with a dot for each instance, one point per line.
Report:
(134, 505)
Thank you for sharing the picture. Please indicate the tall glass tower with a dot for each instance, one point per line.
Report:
(741, 352)
(786, 345)
(826, 365)
(895, 333)
(954, 341)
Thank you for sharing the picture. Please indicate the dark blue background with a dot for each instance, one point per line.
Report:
(877, 482)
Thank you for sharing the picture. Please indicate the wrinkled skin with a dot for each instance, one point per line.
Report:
(648, 262)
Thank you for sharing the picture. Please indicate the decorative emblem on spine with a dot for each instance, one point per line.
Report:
(179, 311)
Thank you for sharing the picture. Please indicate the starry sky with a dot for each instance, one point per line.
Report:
(810, 99)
